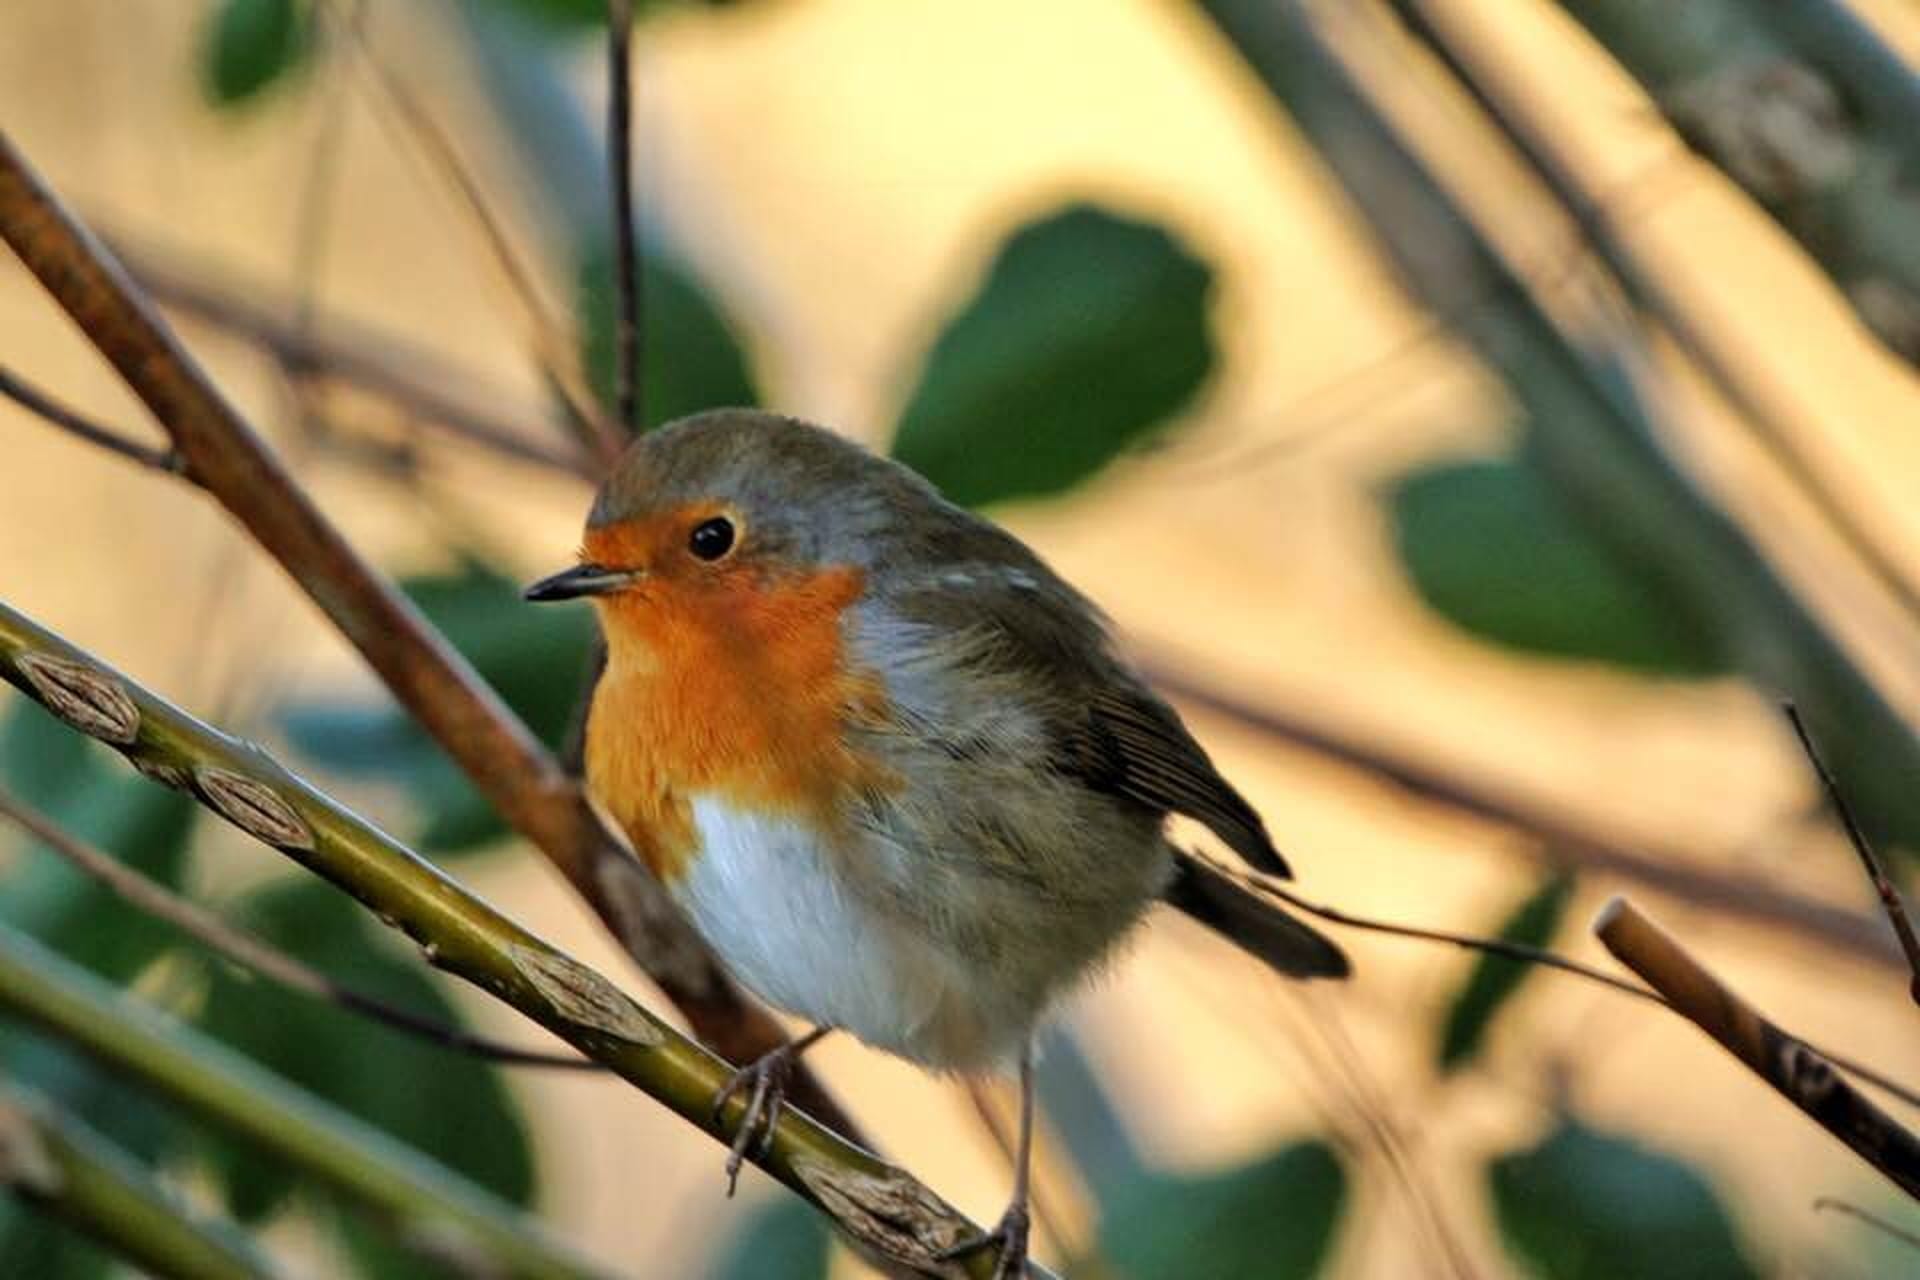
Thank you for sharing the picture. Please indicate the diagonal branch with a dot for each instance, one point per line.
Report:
(73, 422)
(1876, 872)
(882, 1208)
(54, 1164)
(502, 757)
(1794, 1068)
(256, 956)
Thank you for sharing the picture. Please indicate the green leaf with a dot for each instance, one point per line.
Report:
(787, 1239)
(465, 1119)
(1089, 331)
(1273, 1219)
(248, 45)
(1589, 1206)
(690, 359)
(1494, 979)
(1490, 549)
(533, 656)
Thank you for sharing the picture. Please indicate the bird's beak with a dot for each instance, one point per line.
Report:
(581, 580)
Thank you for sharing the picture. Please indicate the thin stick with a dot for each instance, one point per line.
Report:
(1876, 870)
(1517, 951)
(259, 957)
(1557, 840)
(1829, 1204)
(1795, 1069)
(626, 258)
(72, 421)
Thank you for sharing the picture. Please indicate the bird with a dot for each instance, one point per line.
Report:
(893, 768)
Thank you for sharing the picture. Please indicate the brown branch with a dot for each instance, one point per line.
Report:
(436, 685)
(258, 957)
(1559, 840)
(1873, 1220)
(1876, 872)
(73, 422)
(626, 261)
(372, 361)
(1793, 1067)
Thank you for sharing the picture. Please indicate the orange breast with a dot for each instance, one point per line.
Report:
(734, 685)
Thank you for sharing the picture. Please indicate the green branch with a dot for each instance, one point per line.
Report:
(1803, 107)
(1591, 433)
(57, 1166)
(881, 1208)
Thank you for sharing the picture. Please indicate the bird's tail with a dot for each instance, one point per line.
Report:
(1255, 924)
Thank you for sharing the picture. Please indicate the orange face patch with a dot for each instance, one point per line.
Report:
(727, 678)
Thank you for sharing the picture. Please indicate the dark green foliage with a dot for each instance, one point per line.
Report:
(571, 17)
(1590, 1206)
(534, 658)
(1494, 979)
(246, 46)
(1491, 549)
(787, 1239)
(1273, 1219)
(449, 1105)
(1089, 331)
(690, 359)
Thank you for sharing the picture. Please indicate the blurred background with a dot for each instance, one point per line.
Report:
(1481, 654)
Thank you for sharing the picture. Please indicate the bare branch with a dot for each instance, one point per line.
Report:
(1561, 842)
(1876, 872)
(257, 956)
(72, 421)
(1796, 1070)
(1828, 1203)
(502, 757)
(626, 261)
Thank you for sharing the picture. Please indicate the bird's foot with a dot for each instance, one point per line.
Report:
(765, 1082)
(1010, 1238)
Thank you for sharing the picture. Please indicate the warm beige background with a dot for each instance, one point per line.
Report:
(841, 168)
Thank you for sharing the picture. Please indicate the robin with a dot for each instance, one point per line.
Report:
(888, 761)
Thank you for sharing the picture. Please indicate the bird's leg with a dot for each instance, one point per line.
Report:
(1010, 1237)
(766, 1079)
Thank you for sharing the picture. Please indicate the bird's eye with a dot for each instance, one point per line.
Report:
(711, 538)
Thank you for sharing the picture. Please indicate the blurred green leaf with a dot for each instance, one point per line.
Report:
(451, 1106)
(38, 1245)
(247, 45)
(534, 657)
(1490, 549)
(1273, 1219)
(690, 359)
(1589, 1206)
(1494, 979)
(573, 17)
(788, 1239)
(1089, 331)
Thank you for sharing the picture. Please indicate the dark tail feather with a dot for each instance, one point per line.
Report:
(1252, 923)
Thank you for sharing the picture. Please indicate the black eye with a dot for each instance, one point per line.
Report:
(712, 538)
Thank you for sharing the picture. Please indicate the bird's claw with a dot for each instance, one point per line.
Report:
(766, 1078)
(1010, 1238)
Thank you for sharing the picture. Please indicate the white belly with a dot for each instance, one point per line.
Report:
(771, 902)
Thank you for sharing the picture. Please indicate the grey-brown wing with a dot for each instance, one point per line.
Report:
(1109, 731)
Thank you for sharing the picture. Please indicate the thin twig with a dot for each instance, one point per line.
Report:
(72, 421)
(1795, 1069)
(1828, 1203)
(1557, 840)
(256, 956)
(555, 356)
(1876, 871)
(626, 259)
(1516, 951)
(437, 686)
